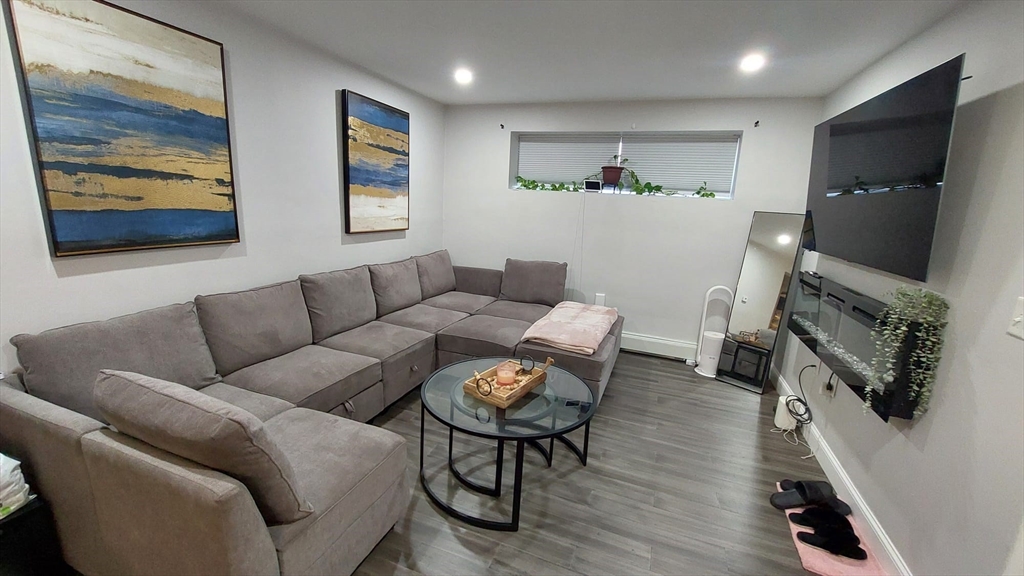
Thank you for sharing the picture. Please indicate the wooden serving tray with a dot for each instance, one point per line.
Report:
(505, 396)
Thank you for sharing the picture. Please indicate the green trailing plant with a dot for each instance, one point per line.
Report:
(920, 310)
(703, 191)
(637, 185)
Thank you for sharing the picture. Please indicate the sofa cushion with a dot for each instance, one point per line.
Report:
(61, 365)
(425, 318)
(250, 326)
(515, 310)
(378, 340)
(533, 281)
(395, 286)
(482, 336)
(436, 273)
(259, 405)
(406, 355)
(484, 281)
(343, 467)
(206, 430)
(459, 301)
(338, 301)
(310, 377)
(586, 367)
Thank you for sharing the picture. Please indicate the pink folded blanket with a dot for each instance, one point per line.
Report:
(573, 326)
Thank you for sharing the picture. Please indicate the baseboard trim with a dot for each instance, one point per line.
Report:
(658, 346)
(890, 558)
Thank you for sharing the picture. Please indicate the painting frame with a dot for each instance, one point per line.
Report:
(351, 210)
(52, 228)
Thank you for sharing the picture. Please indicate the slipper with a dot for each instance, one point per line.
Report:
(818, 516)
(804, 493)
(838, 545)
(833, 502)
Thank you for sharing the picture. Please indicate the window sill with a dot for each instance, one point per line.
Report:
(627, 192)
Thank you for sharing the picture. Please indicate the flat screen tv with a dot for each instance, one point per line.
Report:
(877, 172)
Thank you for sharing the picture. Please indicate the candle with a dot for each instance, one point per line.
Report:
(506, 374)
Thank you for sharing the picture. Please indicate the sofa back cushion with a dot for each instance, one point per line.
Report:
(206, 430)
(338, 301)
(533, 281)
(243, 328)
(396, 286)
(61, 365)
(436, 273)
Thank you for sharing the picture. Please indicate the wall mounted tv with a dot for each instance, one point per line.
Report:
(877, 172)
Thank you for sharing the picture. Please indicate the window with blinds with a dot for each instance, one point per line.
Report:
(678, 161)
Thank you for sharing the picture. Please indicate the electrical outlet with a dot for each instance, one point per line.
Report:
(1016, 328)
(599, 299)
(828, 387)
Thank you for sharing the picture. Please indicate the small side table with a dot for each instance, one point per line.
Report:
(28, 542)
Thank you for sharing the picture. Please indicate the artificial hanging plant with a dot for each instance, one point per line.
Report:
(925, 312)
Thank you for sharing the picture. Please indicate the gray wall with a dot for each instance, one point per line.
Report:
(948, 489)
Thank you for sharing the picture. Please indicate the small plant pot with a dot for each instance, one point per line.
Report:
(611, 174)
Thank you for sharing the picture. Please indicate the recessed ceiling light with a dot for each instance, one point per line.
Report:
(752, 62)
(784, 239)
(463, 76)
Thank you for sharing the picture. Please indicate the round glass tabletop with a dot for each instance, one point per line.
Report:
(559, 405)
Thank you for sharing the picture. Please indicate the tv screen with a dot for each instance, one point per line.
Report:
(877, 172)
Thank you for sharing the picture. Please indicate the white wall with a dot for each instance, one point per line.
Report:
(654, 257)
(283, 117)
(948, 489)
(760, 281)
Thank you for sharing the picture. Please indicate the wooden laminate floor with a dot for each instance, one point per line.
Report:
(678, 480)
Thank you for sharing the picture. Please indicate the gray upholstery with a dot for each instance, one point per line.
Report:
(13, 381)
(338, 301)
(482, 336)
(259, 405)
(47, 439)
(423, 317)
(436, 273)
(163, 514)
(533, 281)
(344, 468)
(243, 328)
(395, 286)
(406, 355)
(363, 406)
(515, 310)
(206, 430)
(459, 301)
(586, 367)
(482, 281)
(311, 377)
(61, 365)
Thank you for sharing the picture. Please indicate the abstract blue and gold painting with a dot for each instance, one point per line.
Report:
(130, 123)
(376, 152)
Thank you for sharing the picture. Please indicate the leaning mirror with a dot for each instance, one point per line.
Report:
(760, 299)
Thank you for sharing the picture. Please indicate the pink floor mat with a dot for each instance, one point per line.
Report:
(821, 562)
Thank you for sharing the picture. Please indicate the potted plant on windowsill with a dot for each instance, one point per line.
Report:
(612, 174)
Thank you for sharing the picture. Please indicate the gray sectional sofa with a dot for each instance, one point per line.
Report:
(287, 360)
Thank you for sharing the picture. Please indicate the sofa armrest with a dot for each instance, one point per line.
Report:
(47, 439)
(161, 514)
(482, 281)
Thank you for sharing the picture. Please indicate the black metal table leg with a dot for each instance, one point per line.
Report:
(580, 454)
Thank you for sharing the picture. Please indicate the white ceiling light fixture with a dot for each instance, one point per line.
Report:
(753, 62)
(463, 76)
(784, 239)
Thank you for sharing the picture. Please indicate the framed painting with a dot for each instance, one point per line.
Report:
(130, 126)
(375, 143)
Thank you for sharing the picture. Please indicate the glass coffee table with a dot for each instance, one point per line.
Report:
(560, 405)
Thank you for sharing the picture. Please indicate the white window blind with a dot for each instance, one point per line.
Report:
(684, 161)
(678, 161)
(565, 157)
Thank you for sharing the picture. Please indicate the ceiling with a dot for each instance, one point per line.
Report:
(527, 51)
